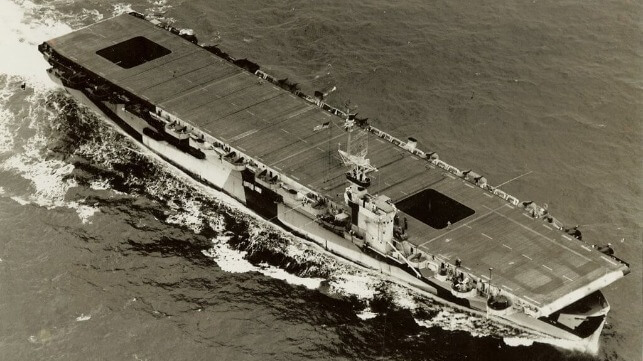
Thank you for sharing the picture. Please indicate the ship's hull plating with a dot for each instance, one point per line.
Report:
(214, 171)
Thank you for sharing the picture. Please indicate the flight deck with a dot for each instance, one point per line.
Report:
(530, 258)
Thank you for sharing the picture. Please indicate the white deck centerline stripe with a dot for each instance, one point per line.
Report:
(567, 237)
(548, 227)
(527, 257)
(567, 278)
(486, 235)
(586, 248)
(488, 195)
(469, 185)
(504, 245)
(549, 268)
(509, 288)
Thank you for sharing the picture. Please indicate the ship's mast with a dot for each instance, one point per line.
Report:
(355, 154)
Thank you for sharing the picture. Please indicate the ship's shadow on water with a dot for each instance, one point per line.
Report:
(173, 220)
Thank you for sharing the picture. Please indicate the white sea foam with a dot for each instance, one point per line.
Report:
(366, 314)
(20, 34)
(345, 280)
(227, 259)
(233, 261)
(477, 325)
(99, 184)
(46, 176)
(280, 274)
(49, 178)
(217, 223)
(20, 200)
(159, 6)
(297, 250)
(103, 185)
(121, 8)
(581, 346)
(93, 14)
(85, 212)
(188, 215)
(451, 320)
(83, 317)
(6, 134)
(403, 297)
(362, 286)
(28, 37)
(24, 27)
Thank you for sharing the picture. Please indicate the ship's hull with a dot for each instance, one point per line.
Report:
(215, 172)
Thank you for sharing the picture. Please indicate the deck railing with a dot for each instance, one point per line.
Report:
(431, 157)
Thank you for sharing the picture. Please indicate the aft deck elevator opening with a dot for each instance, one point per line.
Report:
(434, 208)
(133, 52)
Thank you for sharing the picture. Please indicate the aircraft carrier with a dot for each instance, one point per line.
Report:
(329, 176)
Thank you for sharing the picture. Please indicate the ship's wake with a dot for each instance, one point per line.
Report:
(66, 154)
(60, 155)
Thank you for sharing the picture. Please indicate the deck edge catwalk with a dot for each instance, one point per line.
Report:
(378, 200)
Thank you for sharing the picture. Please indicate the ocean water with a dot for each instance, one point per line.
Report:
(108, 254)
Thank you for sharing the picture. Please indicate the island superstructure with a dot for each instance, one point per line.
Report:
(378, 200)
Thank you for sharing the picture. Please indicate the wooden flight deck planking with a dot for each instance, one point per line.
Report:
(530, 259)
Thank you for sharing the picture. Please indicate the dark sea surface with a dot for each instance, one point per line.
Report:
(107, 254)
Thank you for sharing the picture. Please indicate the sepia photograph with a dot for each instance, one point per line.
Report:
(321, 180)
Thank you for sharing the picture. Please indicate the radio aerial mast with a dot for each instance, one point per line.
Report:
(355, 155)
